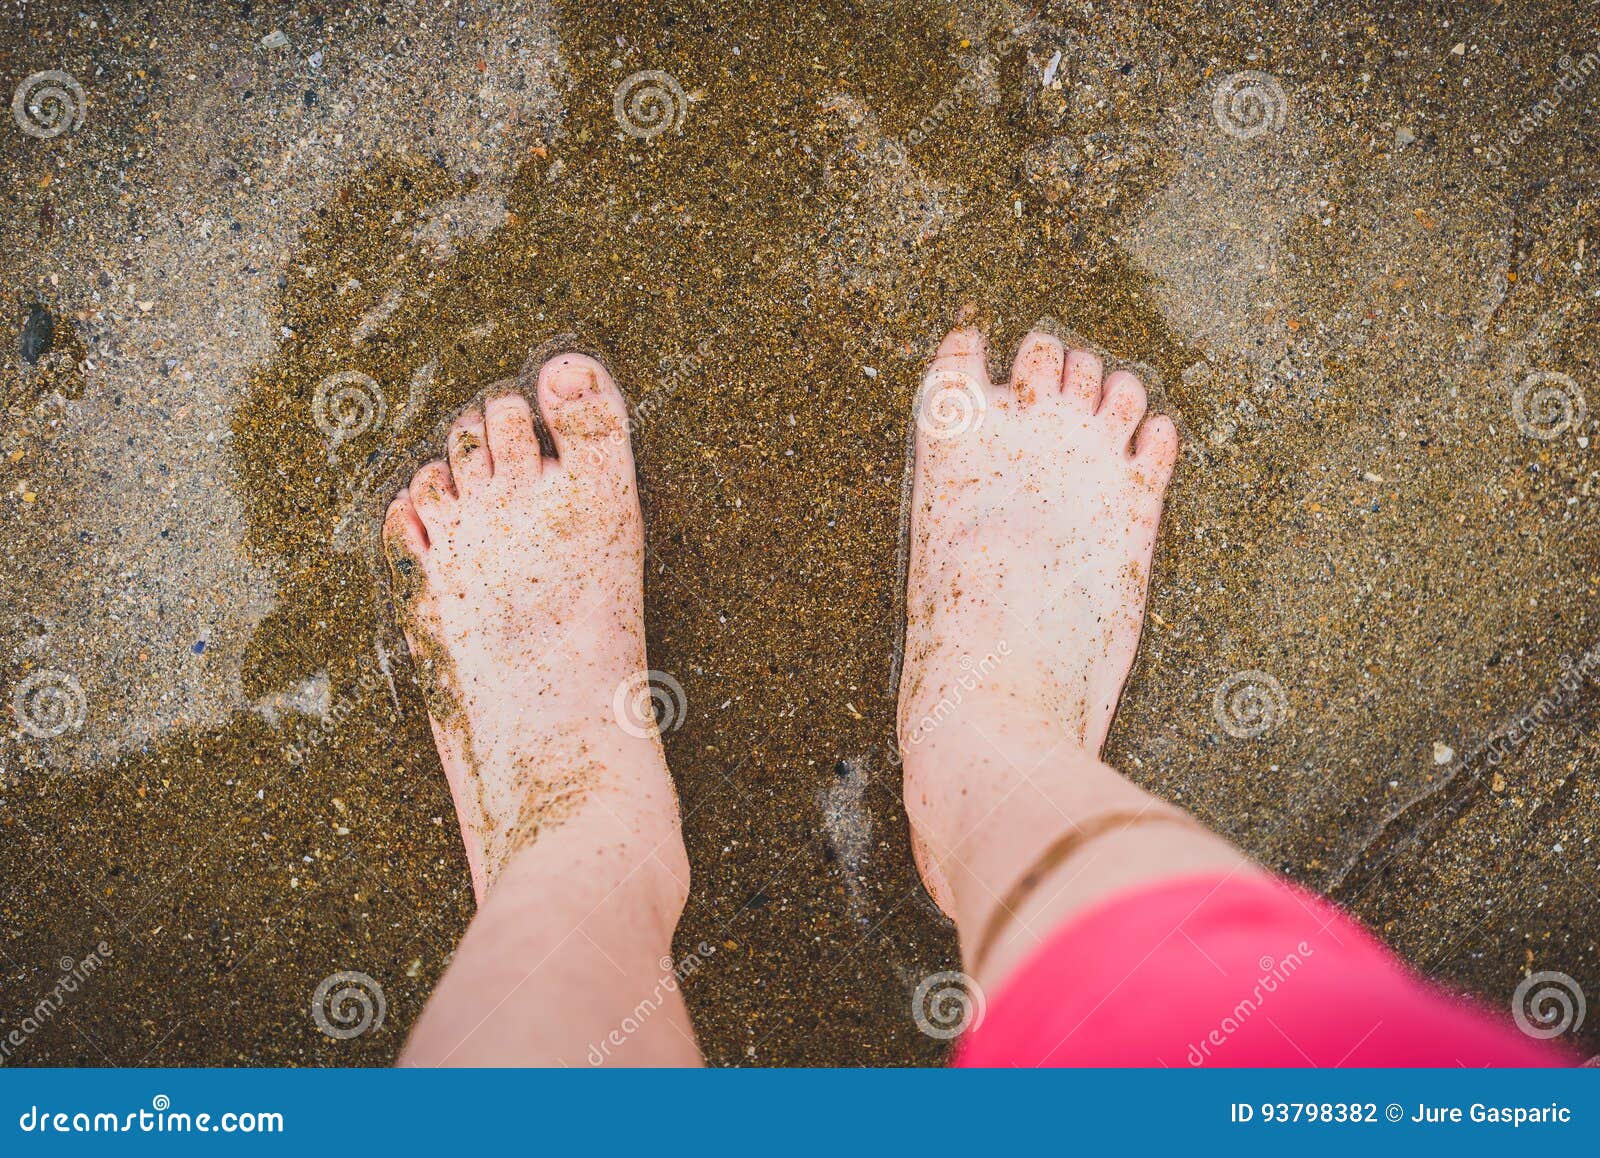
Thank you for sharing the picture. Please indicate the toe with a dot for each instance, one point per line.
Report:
(1036, 374)
(405, 545)
(1123, 404)
(513, 445)
(1080, 382)
(955, 392)
(584, 411)
(434, 497)
(403, 532)
(468, 448)
(1157, 445)
(964, 351)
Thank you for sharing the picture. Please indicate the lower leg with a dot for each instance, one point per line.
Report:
(1033, 828)
(568, 960)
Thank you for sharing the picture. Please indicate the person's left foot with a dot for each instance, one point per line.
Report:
(519, 583)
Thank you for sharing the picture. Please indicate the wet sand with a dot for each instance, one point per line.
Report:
(1343, 284)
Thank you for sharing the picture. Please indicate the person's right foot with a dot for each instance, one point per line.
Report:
(1035, 507)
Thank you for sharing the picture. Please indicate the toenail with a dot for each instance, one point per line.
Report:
(573, 382)
(467, 442)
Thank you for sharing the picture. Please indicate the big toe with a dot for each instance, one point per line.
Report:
(955, 392)
(1156, 448)
(584, 411)
(964, 351)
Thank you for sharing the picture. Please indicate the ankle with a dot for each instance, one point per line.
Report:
(611, 857)
(986, 800)
(961, 767)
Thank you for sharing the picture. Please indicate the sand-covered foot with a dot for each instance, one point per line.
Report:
(518, 580)
(1035, 508)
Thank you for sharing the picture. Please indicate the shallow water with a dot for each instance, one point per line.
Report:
(1344, 284)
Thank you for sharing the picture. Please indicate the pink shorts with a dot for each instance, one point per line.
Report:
(1219, 971)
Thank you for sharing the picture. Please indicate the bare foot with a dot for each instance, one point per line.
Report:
(1035, 512)
(518, 580)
